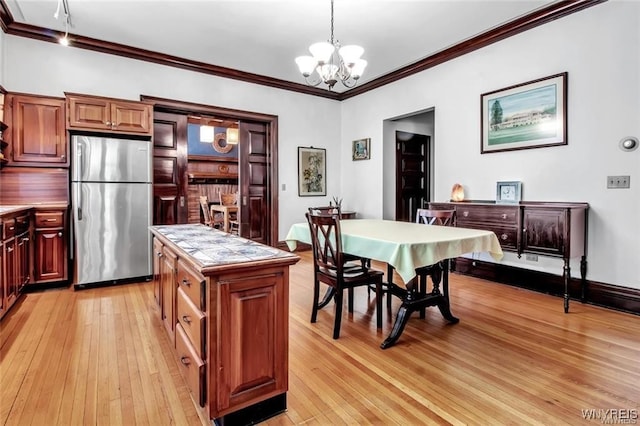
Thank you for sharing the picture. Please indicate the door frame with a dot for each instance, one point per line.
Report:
(270, 121)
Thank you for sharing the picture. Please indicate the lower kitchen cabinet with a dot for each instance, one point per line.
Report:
(15, 258)
(50, 254)
(229, 327)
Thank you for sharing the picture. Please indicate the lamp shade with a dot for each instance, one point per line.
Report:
(306, 65)
(233, 136)
(350, 54)
(322, 51)
(358, 68)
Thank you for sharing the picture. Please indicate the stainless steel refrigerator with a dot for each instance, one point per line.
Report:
(111, 184)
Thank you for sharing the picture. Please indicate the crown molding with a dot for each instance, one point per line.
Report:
(534, 19)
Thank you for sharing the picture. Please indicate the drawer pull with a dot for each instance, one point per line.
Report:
(11, 228)
(465, 214)
(504, 215)
(185, 360)
(59, 234)
(186, 282)
(186, 318)
(9, 249)
(159, 254)
(504, 236)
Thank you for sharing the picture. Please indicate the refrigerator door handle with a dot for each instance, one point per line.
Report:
(79, 198)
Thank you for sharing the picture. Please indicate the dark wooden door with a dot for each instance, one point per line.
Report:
(255, 182)
(412, 174)
(169, 168)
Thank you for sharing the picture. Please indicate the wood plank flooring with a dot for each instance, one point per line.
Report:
(101, 357)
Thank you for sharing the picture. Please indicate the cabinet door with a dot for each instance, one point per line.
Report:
(3, 267)
(89, 113)
(50, 255)
(38, 130)
(11, 275)
(23, 261)
(169, 288)
(157, 283)
(544, 231)
(252, 339)
(133, 117)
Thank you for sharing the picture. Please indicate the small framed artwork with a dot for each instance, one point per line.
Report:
(527, 115)
(361, 149)
(312, 171)
(508, 192)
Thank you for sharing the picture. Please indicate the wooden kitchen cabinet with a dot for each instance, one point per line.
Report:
(231, 323)
(37, 136)
(50, 246)
(15, 256)
(157, 282)
(107, 114)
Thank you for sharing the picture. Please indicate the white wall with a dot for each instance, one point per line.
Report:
(600, 49)
(50, 69)
(3, 62)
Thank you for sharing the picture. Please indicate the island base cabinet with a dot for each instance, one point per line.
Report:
(253, 330)
(228, 324)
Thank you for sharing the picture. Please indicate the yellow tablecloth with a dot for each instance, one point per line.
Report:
(404, 245)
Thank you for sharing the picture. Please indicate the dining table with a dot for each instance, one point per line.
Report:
(226, 210)
(405, 246)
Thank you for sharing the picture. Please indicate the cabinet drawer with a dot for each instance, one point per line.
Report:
(192, 320)
(22, 224)
(493, 214)
(190, 365)
(508, 237)
(49, 219)
(192, 284)
(9, 228)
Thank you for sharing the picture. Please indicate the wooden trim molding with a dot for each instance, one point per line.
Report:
(600, 294)
(526, 22)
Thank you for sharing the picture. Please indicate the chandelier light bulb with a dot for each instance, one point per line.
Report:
(322, 51)
(358, 68)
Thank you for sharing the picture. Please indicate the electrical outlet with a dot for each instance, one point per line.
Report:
(618, 182)
(531, 257)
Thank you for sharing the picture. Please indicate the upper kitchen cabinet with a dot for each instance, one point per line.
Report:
(37, 133)
(107, 114)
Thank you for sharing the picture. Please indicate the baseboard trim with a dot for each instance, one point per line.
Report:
(606, 295)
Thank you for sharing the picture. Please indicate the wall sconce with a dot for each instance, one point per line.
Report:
(233, 136)
(457, 192)
(628, 143)
(206, 134)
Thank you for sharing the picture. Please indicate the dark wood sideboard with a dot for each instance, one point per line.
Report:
(554, 229)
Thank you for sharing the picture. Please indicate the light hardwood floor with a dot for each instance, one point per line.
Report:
(101, 357)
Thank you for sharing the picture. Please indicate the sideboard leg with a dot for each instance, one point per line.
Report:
(567, 277)
(583, 281)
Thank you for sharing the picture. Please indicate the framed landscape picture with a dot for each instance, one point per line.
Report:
(528, 115)
(312, 171)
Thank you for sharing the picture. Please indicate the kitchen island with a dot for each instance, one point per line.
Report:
(224, 302)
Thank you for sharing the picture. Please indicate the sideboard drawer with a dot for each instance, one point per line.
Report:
(192, 284)
(192, 320)
(508, 237)
(507, 215)
(190, 365)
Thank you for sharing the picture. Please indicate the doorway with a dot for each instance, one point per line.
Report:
(395, 202)
(257, 167)
(412, 174)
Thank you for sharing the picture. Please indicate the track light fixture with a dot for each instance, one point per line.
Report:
(62, 4)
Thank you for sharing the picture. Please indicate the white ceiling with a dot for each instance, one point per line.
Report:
(264, 36)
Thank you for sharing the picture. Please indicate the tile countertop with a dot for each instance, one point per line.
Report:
(16, 208)
(210, 247)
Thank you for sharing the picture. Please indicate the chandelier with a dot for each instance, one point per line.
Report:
(328, 67)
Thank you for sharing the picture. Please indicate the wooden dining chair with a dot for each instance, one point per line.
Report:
(204, 206)
(231, 199)
(331, 268)
(439, 218)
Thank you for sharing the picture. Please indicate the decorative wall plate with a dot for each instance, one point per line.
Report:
(218, 146)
